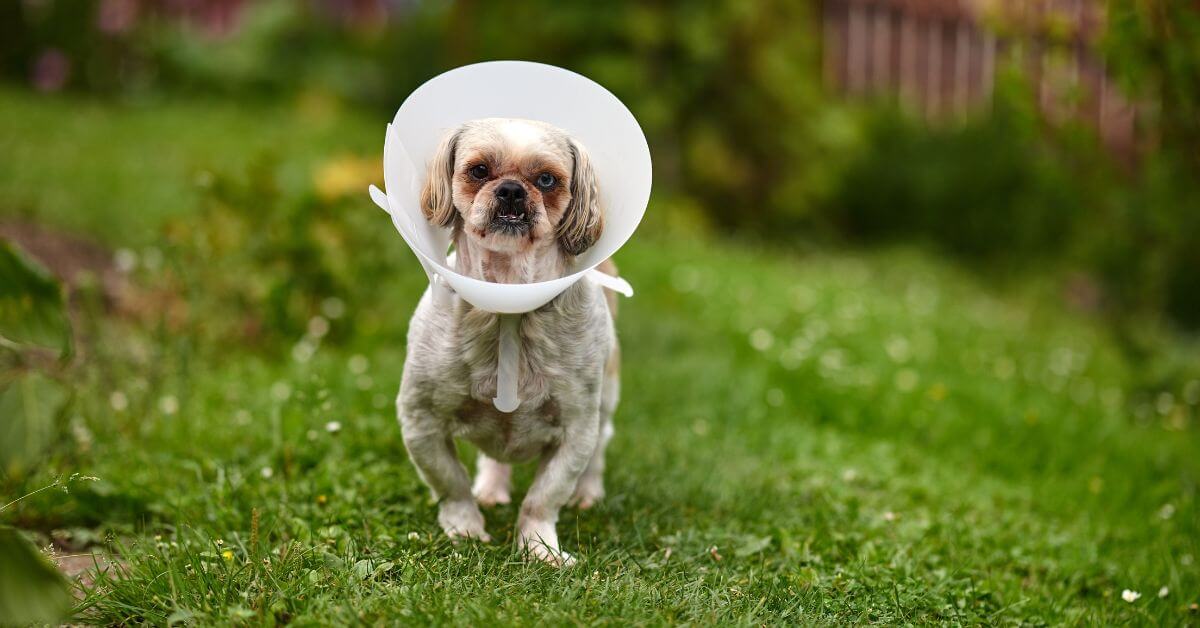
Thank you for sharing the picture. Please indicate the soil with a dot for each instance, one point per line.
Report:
(74, 259)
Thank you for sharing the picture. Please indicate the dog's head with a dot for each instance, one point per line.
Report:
(511, 185)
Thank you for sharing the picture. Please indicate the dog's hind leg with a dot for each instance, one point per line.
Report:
(493, 482)
(590, 488)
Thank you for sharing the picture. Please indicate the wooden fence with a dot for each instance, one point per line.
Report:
(940, 57)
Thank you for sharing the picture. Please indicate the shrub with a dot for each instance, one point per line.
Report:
(989, 190)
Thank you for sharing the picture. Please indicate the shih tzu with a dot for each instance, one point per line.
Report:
(522, 201)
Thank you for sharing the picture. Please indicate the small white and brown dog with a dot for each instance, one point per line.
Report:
(521, 198)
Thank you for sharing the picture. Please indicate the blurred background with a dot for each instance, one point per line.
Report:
(184, 180)
(1054, 136)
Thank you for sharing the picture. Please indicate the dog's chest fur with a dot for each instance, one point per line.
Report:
(452, 370)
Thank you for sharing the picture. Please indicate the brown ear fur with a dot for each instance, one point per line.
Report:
(437, 196)
(582, 222)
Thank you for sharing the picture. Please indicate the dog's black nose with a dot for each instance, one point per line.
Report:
(510, 192)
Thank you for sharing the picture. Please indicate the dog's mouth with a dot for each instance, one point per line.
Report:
(510, 220)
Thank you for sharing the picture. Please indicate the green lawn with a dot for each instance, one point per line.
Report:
(803, 438)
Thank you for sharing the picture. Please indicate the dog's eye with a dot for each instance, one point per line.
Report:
(479, 171)
(546, 180)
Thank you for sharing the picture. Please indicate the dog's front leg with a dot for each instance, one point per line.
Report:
(553, 485)
(433, 453)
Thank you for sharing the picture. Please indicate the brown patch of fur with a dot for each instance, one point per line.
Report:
(612, 368)
(472, 411)
(470, 184)
(554, 200)
(550, 412)
(496, 266)
(475, 411)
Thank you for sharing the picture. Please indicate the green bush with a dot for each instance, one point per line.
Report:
(989, 190)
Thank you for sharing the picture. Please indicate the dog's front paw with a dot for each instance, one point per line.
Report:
(538, 540)
(552, 557)
(462, 519)
(588, 492)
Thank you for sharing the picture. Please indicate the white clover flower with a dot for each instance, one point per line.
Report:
(267, 472)
(281, 391)
(318, 326)
(1130, 596)
(898, 349)
(1164, 592)
(169, 405)
(906, 380)
(333, 308)
(761, 339)
(333, 427)
(303, 351)
(685, 279)
(125, 260)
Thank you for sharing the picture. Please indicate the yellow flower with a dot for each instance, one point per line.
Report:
(227, 555)
(346, 175)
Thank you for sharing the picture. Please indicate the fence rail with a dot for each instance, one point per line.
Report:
(940, 58)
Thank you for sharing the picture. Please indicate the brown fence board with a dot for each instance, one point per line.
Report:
(939, 58)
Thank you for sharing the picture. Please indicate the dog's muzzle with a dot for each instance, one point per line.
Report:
(511, 213)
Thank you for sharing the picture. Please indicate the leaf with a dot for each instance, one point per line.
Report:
(31, 589)
(332, 561)
(33, 310)
(752, 545)
(383, 568)
(362, 569)
(30, 407)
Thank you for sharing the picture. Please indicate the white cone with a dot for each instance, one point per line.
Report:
(574, 103)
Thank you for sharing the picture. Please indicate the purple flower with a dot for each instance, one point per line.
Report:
(51, 70)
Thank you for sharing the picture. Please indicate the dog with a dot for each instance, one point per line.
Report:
(522, 201)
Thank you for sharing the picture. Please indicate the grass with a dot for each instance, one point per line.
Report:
(835, 437)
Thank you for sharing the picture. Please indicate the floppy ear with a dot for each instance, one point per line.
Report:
(582, 223)
(437, 197)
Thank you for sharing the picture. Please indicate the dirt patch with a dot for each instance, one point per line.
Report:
(81, 262)
(85, 569)
(74, 259)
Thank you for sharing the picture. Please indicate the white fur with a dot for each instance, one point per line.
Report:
(565, 418)
(567, 386)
